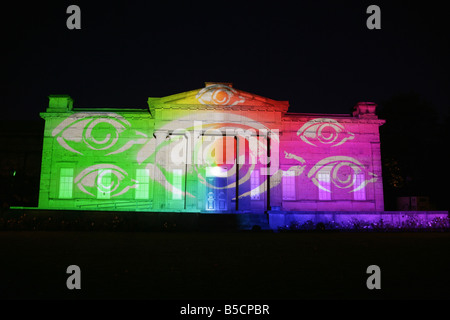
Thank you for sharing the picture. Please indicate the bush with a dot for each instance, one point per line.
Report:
(124, 221)
(412, 223)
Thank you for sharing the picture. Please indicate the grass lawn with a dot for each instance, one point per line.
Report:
(247, 265)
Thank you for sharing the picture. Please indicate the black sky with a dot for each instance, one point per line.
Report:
(318, 55)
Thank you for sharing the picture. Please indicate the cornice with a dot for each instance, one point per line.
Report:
(338, 117)
(221, 108)
(132, 114)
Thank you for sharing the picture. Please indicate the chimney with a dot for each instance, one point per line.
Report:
(228, 84)
(60, 103)
(365, 110)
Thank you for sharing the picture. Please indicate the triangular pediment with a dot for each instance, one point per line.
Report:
(217, 95)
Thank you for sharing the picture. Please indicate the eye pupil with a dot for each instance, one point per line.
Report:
(221, 96)
(327, 134)
(102, 182)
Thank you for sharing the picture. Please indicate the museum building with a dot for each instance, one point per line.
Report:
(216, 149)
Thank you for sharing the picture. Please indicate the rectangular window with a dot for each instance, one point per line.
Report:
(143, 179)
(65, 183)
(288, 181)
(254, 185)
(104, 184)
(324, 181)
(358, 179)
(177, 182)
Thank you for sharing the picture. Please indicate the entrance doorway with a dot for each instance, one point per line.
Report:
(216, 199)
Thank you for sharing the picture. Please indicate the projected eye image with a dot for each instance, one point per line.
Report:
(343, 172)
(96, 131)
(104, 181)
(325, 132)
(219, 95)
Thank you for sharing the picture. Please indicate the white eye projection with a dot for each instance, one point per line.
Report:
(219, 94)
(104, 181)
(342, 172)
(324, 131)
(87, 132)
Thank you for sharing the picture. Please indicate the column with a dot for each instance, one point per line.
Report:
(159, 190)
(274, 195)
(377, 169)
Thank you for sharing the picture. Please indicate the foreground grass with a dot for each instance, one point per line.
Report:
(239, 265)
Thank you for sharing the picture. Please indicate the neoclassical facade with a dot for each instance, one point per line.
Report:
(215, 149)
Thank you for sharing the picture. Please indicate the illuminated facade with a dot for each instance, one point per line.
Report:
(216, 149)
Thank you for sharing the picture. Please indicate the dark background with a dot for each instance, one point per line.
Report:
(318, 55)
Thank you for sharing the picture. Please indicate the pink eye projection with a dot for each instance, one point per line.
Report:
(324, 131)
(342, 172)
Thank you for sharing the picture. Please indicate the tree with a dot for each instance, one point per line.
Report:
(412, 149)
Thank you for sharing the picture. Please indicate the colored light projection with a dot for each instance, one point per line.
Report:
(96, 131)
(324, 131)
(104, 181)
(225, 162)
(218, 94)
(229, 159)
(343, 172)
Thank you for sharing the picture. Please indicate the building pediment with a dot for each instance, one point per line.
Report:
(220, 96)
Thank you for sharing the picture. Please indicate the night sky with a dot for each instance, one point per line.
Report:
(318, 55)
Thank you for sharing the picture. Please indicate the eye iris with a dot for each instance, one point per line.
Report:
(99, 132)
(218, 151)
(104, 181)
(342, 174)
(220, 96)
(327, 133)
(216, 156)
